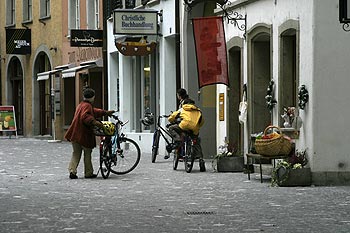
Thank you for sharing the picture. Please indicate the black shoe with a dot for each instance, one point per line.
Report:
(73, 176)
(166, 156)
(202, 166)
(91, 177)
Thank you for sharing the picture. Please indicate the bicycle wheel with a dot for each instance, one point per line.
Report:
(105, 159)
(127, 157)
(189, 158)
(155, 145)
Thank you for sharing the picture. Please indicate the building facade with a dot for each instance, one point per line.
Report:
(33, 81)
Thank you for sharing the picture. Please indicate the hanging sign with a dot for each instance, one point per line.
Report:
(210, 45)
(135, 22)
(7, 118)
(86, 38)
(18, 41)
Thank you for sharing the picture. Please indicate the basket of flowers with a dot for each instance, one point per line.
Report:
(274, 143)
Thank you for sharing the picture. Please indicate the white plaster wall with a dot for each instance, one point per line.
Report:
(275, 13)
(324, 51)
(330, 94)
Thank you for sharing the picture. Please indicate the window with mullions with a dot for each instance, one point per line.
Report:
(73, 15)
(93, 14)
(45, 9)
(27, 10)
(10, 12)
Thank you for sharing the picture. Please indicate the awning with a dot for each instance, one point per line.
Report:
(64, 67)
(46, 75)
(68, 73)
(84, 65)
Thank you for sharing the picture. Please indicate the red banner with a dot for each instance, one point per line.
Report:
(209, 36)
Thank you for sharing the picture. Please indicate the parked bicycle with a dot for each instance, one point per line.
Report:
(118, 154)
(159, 131)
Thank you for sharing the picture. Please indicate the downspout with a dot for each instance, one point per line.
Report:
(178, 47)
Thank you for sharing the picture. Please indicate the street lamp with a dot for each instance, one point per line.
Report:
(344, 14)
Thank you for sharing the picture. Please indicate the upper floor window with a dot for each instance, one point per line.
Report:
(27, 10)
(74, 14)
(93, 14)
(10, 12)
(45, 8)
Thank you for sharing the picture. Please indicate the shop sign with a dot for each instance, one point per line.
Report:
(135, 22)
(86, 38)
(18, 41)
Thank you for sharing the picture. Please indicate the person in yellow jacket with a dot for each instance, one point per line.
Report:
(189, 118)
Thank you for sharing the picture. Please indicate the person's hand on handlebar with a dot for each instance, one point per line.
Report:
(98, 124)
(110, 112)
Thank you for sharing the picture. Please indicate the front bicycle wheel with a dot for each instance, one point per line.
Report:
(127, 157)
(155, 146)
(105, 159)
(189, 158)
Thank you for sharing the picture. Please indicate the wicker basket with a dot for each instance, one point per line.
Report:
(275, 146)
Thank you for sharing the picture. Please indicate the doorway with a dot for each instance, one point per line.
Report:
(235, 129)
(260, 76)
(15, 75)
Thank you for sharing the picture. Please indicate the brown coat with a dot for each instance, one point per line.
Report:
(80, 130)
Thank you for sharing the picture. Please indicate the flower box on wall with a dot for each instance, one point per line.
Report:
(230, 164)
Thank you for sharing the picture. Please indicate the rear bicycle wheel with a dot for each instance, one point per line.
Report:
(127, 157)
(189, 158)
(155, 146)
(105, 159)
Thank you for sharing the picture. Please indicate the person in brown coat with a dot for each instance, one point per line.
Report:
(80, 133)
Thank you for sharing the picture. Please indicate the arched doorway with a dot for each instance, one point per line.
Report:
(235, 131)
(41, 93)
(15, 91)
(259, 77)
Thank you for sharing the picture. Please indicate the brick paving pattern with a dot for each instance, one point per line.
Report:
(37, 196)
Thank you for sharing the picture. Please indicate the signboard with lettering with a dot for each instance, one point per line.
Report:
(135, 22)
(18, 41)
(7, 118)
(86, 38)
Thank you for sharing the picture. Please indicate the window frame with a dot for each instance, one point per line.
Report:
(27, 11)
(45, 11)
(10, 12)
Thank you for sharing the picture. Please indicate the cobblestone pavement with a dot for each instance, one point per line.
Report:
(36, 195)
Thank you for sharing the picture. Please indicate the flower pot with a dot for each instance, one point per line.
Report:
(295, 177)
(230, 164)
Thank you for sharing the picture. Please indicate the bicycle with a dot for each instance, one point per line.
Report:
(118, 154)
(158, 132)
(187, 152)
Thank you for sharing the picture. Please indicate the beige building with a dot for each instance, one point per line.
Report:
(35, 38)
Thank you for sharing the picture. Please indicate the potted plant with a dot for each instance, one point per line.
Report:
(227, 160)
(292, 172)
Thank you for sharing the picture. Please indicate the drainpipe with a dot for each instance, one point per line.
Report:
(178, 47)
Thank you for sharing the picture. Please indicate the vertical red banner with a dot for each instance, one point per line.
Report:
(209, 36)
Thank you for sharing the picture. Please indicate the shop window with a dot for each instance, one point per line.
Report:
(288, 71)
(27, 10)
(10, 12)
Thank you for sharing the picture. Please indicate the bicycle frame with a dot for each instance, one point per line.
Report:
(114, 139)
(163, 131)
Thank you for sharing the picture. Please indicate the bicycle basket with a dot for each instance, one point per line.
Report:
(107, 130)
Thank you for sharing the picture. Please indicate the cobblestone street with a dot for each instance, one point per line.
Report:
(36, 195)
